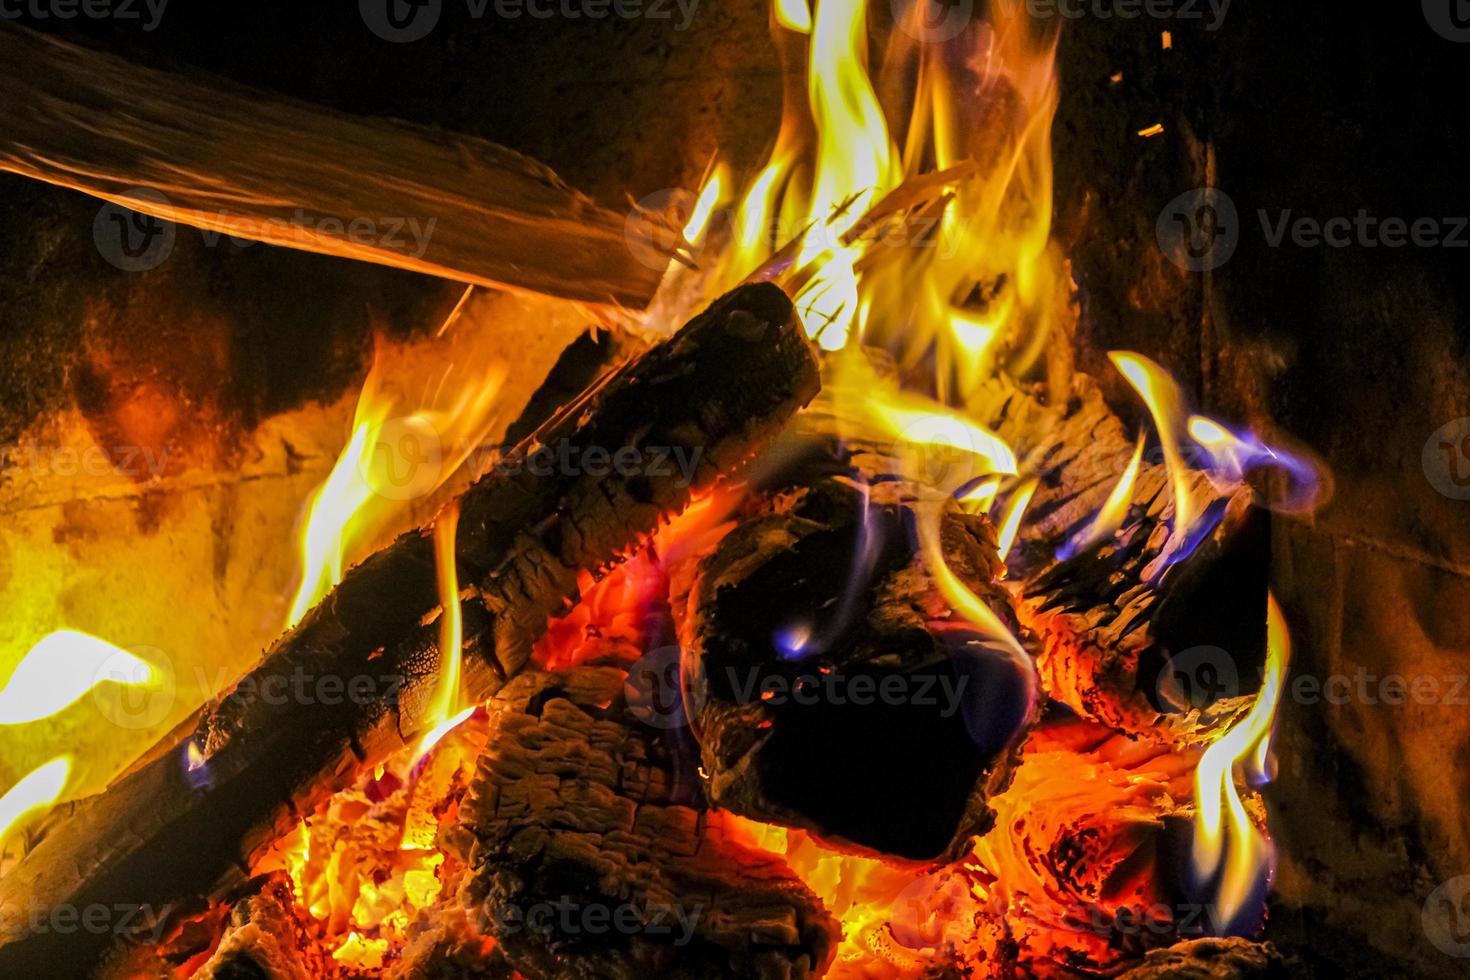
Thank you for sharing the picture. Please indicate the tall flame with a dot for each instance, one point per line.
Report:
(446, 710)
(1227, 842)
(1165, 404)
(402, 448)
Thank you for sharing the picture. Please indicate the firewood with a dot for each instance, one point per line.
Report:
(212, 800)
(207, 153)
(267, 938)
(1214, 959)
(591, 862)
(1113, 620)
(832, 688)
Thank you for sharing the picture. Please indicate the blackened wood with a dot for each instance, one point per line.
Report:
(1119, 626)
(1214, 959)
(166, 832)
(589, 863)
(831, 685)
(251, 164)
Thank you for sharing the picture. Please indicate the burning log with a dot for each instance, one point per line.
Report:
(266, 936)
(830, 684)
(255, 165)
(208, 802)
(1214, 959)
(1113, 619)
(591, 859)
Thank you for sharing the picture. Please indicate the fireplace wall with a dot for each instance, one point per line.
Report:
(1359, 352)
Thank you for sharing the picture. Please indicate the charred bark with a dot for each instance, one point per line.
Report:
(830, 684)
(1129, 636)
(589, 862)
(210, 801)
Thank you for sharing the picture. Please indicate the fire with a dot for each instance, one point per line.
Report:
(37, 791)
(61, 669)
(1110, 517)
(445, 712)
(403, 447)
(1227, 842)
(1161, 395)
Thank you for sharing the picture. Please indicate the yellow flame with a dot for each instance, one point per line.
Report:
(37, 790)
(1161, 395)
(445, 711)
(794, 15)
(1238, 844)
(1010, 523)
(401, 450)
(1110, 517)
(59, 671)
(709, 198)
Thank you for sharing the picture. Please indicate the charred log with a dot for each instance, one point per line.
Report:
(1130, 634)
(1214, 959)
(830, 684)
(209, 801)
(589, 861)
(255, 165)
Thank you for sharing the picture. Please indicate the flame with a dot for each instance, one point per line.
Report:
(1010, 523)
(401, 449)
(1226, 841)
(709, 198)
(1110, 517)
(446, 711)
(61, 669)
(36, 791)
(794, 15)
(1161, 394)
